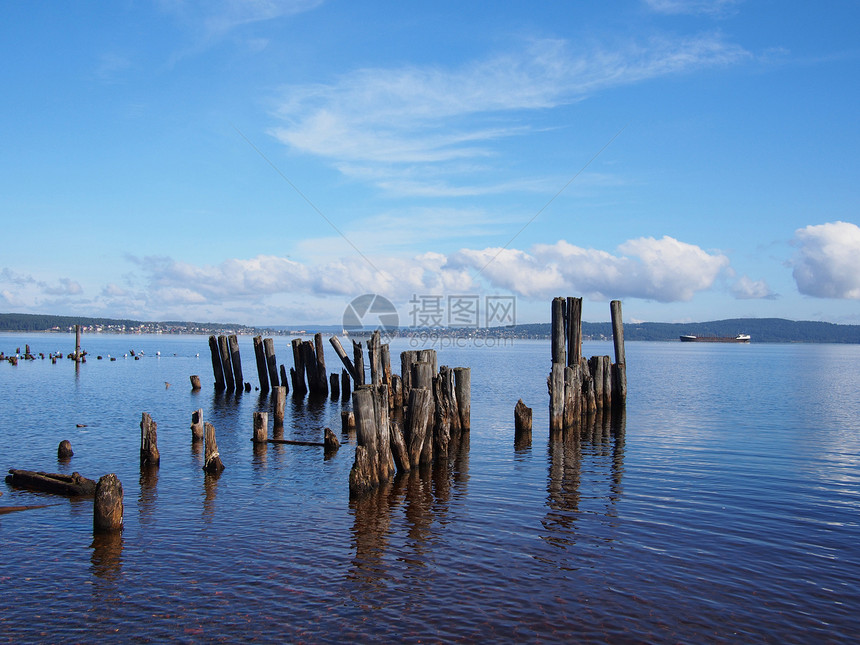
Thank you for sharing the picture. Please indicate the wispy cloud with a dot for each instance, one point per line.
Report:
(415, 116)
(707, 7)
(827, 262)
(746, 288)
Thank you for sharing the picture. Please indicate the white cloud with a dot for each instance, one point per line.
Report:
(747, 289)
(66, 287)
(827, 263)
(708, 7)
(432, 115)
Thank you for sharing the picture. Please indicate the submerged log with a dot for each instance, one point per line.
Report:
(107, 506)
(295, 442)
(15, 509)
(74, 485)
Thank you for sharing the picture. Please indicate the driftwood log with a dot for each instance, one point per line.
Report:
(74, 485)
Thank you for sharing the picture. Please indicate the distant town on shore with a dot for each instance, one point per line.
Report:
(761, 330)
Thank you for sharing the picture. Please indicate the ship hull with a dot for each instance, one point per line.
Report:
(740, 338)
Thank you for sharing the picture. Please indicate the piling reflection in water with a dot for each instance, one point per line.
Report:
(147, 501)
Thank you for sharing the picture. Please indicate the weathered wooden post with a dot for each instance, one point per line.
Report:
(556, 397)
(279, 400)
(334, 386)
(463, 390)
(217, 368)
(344, 386)
(574, 330)
(285, 380)
(197, 426)
(620, 369)
(77, 343)
(297, 372)
(558, 331)
(64, 450)
(271, 361)
(374, 358)
(422, 375)
(226, 364)
(236, 361)
(321, 381)
(607, 382)
(341, 353)
(262, 369)
(572, 389)
(385, 356)
(212, 460)
(148, 442)
(347, 421)
(107, 505)
(261, 426)
(364, 474)
(522, 423)
(419, 426)
(330, 442)
(195, 382)
(358, 363)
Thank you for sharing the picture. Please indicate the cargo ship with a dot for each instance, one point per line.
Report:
(692, 338)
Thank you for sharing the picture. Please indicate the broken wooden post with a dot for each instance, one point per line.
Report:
(77, 343)
(331, 443)
(279, 400)
(558, 331)
(262, 369)
(358, 363)
(347, 421)
(334, 386)
(217, 368)
(398, 446)
(284, 379)
(556, 397)
(236, 361)
(148, 442)
(297, 373)
(319, 366)
(64, 450)
(463, 391)
(107, 505)
(212, 460)
(419, 425)
(364, 474)
(226, 364)
(344, 386)
(195, 382)
(374, 357)
(522, 423)
(341, 353)
(422, 375)
(261, 427)
(197, 425)
(271, 361)
(385, 357)
(574, 330)
(620, 370)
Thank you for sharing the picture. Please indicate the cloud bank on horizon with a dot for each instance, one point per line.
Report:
(265, 162)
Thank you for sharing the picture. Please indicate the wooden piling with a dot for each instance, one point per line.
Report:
(558, 331)
(279, 399)
(262, 368)
(226, 363)
(522, 423)
(212, 460)
(364, 474)
(319, 352)
(148, 442)
(374, 358)
(271, 361)
(344, 386)
(341, 353)
(330, 442)
(620, 371)
(197, 425)
(463, 390)
(574, 330)
(298, 372)
(358, 363)
(334, 386)
(284, 379)
(385, 356)
(77, 343)
(556, 397)
(261, 426)
(236, 361)
(107, 505)
(217, 368)
(347, 421)
(195, 382)
(422, 375)
(418, 423)
(64, 450)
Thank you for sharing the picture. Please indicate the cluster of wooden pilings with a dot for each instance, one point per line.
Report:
(226, 364)
(406, 421)
(580, 388)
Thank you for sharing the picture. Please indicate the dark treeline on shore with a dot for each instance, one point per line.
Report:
(762, 330)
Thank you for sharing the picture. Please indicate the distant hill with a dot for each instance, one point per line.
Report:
(762, 330)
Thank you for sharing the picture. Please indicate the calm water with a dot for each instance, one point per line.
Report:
(723, 509)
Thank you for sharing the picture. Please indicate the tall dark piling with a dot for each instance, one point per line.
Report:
(321, 378)
(344, 386)
(574, 330)
(226, 363)
(236, 361)
(358, 363)
(298, 372)
(271, 361)
(463, 389)
(279, 399)
(620, 369)
(262, 368)
(334, 385)
(77, 343)
(212, 463)
(217, 368)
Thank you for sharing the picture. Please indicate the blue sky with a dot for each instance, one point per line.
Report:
(266, 162)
